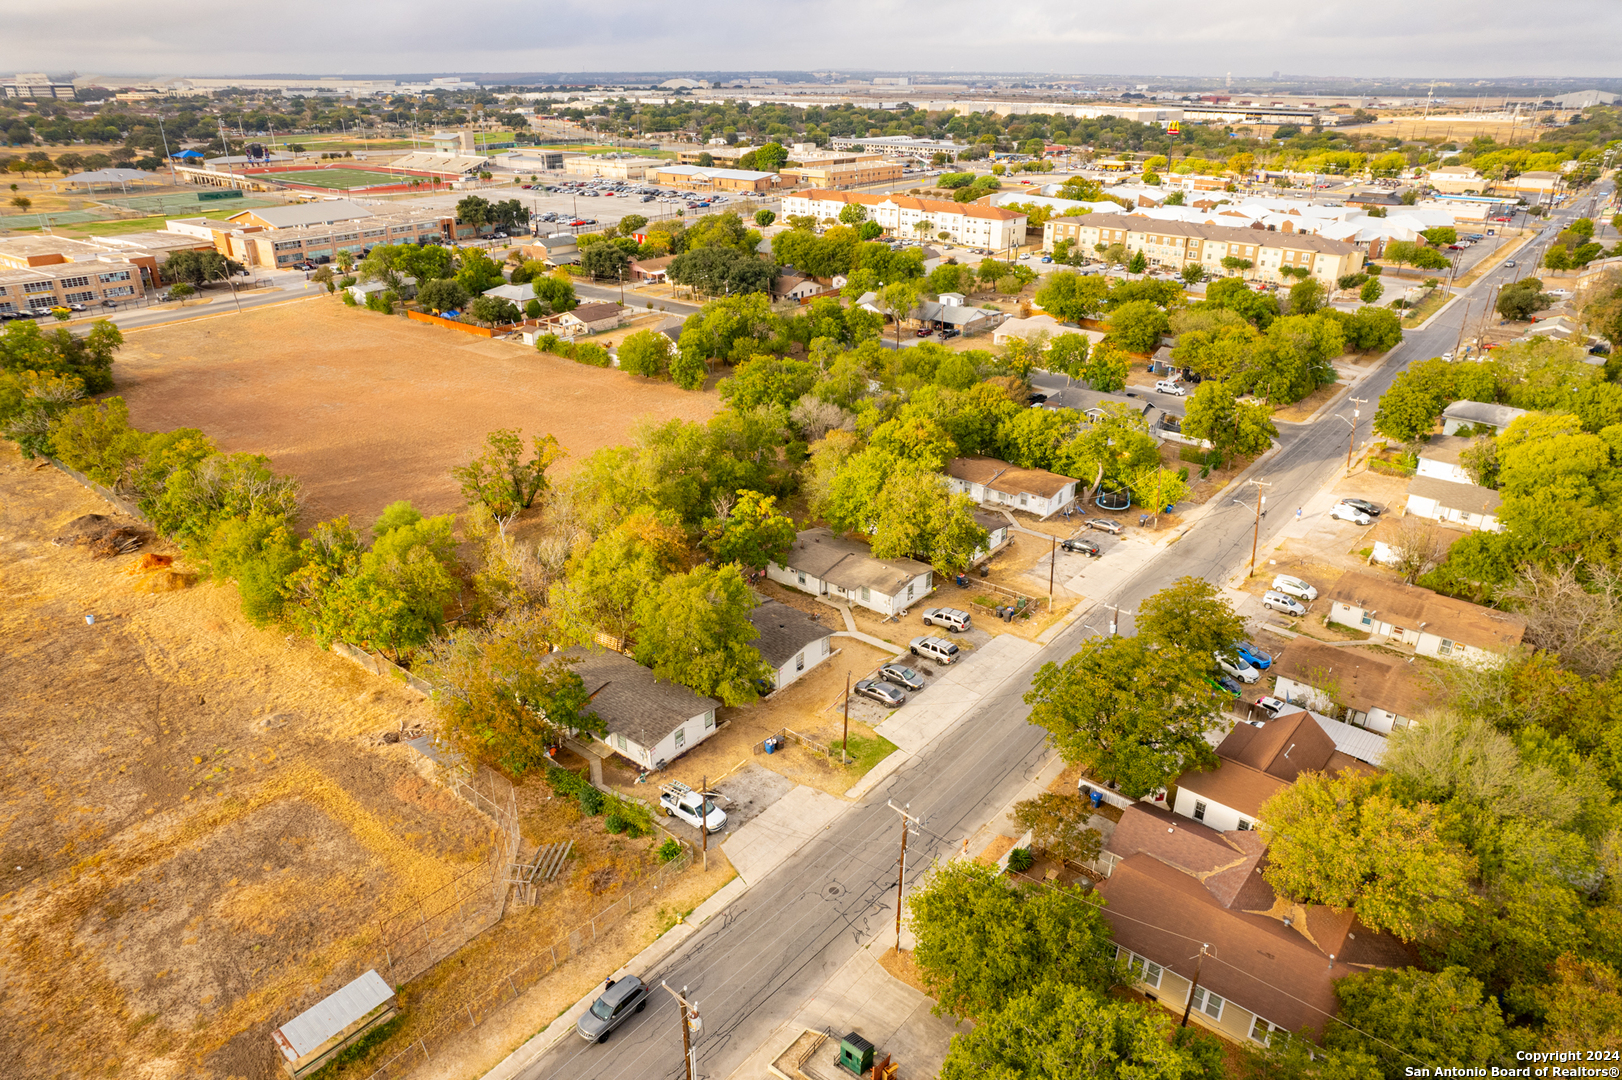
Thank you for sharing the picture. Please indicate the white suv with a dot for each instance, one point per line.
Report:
(1294, 586)
(1347, 512)
(951, 618)
(933, 648)
(1277, 601)
(1172, 387)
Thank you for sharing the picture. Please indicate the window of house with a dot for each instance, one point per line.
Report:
(1144, 971)
(867, 594)
(681, 737)
(799, 662)
(709, 720)
(35, 287)
(122, 290)
(1207, 1002)
(1398, 722)
(117, 275)
(910, 586)
(1199, 810)
(75, 282)
(1368, 620)
(1263, 1031)
(1244, 826)
(81, 297)
(619, 742)
(1445, 649)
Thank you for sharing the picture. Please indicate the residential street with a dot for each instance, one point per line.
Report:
(751, 968)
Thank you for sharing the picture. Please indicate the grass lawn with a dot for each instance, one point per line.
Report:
(119, 226)
(341, 179)
(1425, 308)
(865, 753)
(589, 149)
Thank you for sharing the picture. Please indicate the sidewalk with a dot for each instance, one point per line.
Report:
(962, 686)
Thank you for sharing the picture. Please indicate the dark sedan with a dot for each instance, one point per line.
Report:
(902, 676)
(882, 692)
(612, 1008)
(1364, 505)
(1083, 545)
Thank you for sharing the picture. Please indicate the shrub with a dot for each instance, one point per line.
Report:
(548, 343)
(669, 850)
(349, 298)
(614, 823)
(565, 783)
(1020, 860)
(589, 353)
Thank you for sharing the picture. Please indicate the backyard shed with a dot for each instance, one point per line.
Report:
(310, 1039)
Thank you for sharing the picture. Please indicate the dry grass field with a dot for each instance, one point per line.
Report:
(366, 409)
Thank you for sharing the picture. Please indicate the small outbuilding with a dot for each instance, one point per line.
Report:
(315, 1036)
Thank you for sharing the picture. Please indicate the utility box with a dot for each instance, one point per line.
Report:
(855, 1054)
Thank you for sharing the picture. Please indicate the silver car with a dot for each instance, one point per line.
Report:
(954, 620)
(619, 999)
(1278, 601)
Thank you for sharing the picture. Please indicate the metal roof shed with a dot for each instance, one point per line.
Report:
(310, 1039)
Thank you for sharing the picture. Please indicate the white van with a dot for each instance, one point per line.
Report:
(933, 648)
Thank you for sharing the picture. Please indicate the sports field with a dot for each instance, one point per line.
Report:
(340, 179)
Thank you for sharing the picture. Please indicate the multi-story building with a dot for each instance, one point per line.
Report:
(841, 170)
(1176, 244)
(989, 228)
(41, 272)
(700, 178)
(609, 167)
(255, 239)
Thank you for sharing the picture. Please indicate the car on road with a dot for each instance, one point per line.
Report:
(1105, 525)
(681, 801)
(1296, 587)
(1272, 706)
(619, 999)
(889, 696)
(954, 620)
(1170, 386)
(1447, 356)
(1371, 509)
(1278, 601)
(1347, 512)
(1238, 668)
(903, 676)
(1509, 262)
(1082, 545)
(1256, 658)
(933, 648)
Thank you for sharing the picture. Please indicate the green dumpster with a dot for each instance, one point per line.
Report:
(855, 1053)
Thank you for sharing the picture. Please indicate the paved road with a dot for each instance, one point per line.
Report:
(752, 967)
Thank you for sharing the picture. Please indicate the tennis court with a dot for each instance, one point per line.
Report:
(338, 179)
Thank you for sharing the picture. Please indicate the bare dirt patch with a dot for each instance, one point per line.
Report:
(200, 826)
(1299, 411)
(366, 409)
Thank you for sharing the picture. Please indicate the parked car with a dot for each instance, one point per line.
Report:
(1082, 545)
(1347, 512)
(1238, 668)
(619, 999)
(1256, 658)
(681, 801)
(1294, 586)
(1272, 706)
(1278, 601)
(1364, 505)
(882, 692)
(1036, 399)
(902, 676)
(954, 620)
(1105, 525)
(1170, 386)
(933, 648)
(1227, 685)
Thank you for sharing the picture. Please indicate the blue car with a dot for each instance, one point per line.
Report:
(1257, 658)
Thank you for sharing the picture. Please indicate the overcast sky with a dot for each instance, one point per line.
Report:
(1430, 38)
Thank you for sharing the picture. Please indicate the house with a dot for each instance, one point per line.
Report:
(1466, 414)
(1026, 329)
(1378, 691)
(791, 641)
(1456, 179)
(1439, 459)
(592, 318)
(701, 178)
(363, 291)
(556, 250)
(1276, 961)
(1174, 244)
(823, 563)
(1255, 762)
(1393, 611)
(651, 271)
(1537, 184)
(1449, 501)
(991, 482)
(648, 720)
(518, 294)
(794, 287)
(998, 532)
(946, 314)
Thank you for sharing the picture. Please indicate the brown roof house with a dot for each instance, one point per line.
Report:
(1378, 691)
(823, 563)
(591, 318)
(649, 720)
(1270, 964)
(994, 483)
(1432, 625)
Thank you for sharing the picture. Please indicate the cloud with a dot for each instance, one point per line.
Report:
(1439, 38)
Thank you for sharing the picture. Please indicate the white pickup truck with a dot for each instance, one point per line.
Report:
(681, 801)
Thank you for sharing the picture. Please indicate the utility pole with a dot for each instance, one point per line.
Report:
(907, 821)
(1195, 985)
(704, 821)
(1255, 535)
(1463, 325)
(1053, 559)
(690, 1025)
(844, 746)
(1351, 440)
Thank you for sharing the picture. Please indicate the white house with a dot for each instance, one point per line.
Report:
(1464, 414)
(1460, 504)
(1378, 691)
(1026, 329)
(1432, 625)
(591, 318)
(998, 532)
(1440, 459)
(995, 483)
(649, 721)
(823, 563)
(791, 641)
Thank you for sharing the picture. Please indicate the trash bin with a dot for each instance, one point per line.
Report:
(771, 746)
(1097, 798)
(855, 1054)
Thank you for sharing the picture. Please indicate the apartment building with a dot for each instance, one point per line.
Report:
(1176, 244)
(989, 228)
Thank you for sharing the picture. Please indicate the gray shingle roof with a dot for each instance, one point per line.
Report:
(848, 564)
(1483, 412)
(784, 631)
(630, 701)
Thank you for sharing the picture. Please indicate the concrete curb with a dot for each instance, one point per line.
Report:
(878, 774)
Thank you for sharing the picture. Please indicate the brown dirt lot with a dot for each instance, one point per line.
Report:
(366, 409)
(200, 827)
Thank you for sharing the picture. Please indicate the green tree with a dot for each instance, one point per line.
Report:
(502, 694)
(898, 299)
(1421, 1018)
(474, 210)
(477, 272)
(1049, 1029)
(1190, 614)
(646, 353)
(604, 582)
(751, 532)
(442, 294)
(1158, 488)
(853, 214)
(196, 268)
(1371, 291)
(1233, 428)
(604, 261)
(1138, 326)
(1058, 824)
(1306, 297)
(1410, 406)
(22, 202)
(501, 479)
(694, 629)
(259, 553)
(1348, 842)
(96, 438)
(1520, 300)
(494, 311)
(1068, 353)
(1071, 297)
(1442, 235)
(771, 157)
(768, 380)
(1107, 368)
(764, 218)
(1126, 712)
(1139, 263)
(30, 403)
(982, 941)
